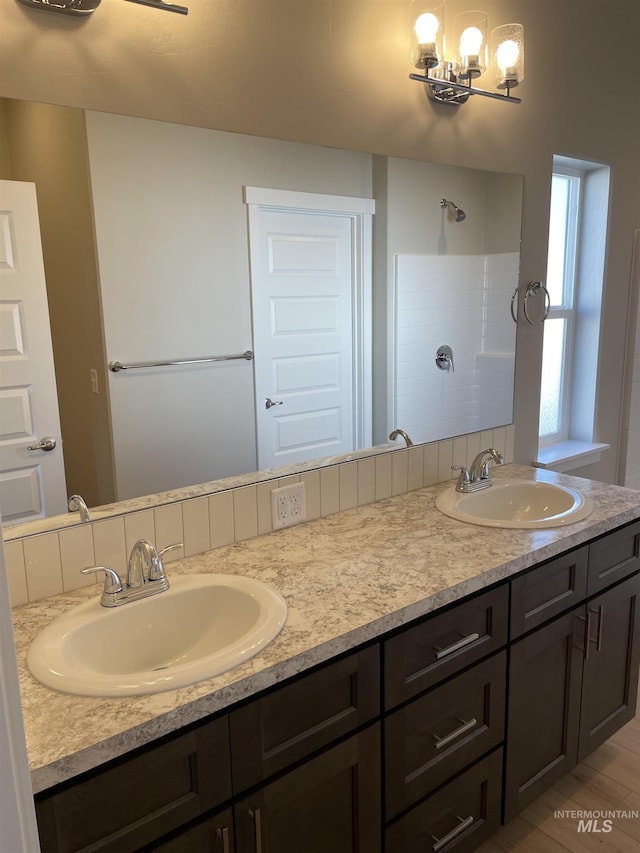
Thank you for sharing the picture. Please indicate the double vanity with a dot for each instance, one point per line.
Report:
(432, 678)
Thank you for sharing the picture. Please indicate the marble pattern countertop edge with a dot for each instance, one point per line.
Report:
(347, 578)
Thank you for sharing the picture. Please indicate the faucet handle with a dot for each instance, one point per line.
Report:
(112, 580)
(464, 478)
(156, 570)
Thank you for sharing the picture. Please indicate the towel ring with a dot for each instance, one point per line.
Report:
(532, 289)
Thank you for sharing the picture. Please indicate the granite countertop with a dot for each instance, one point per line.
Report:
(347, 579)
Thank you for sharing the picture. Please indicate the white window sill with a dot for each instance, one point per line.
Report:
(568, 455)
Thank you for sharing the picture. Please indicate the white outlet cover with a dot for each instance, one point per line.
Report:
(288, 506)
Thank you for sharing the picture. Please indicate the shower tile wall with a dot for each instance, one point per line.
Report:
(462, 301)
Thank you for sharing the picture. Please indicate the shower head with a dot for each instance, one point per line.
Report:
(460, 214)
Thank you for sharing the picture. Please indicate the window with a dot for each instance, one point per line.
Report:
(575, 271)
(557, 353)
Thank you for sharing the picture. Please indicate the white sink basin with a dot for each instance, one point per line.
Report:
(202, 626)
(517, 503)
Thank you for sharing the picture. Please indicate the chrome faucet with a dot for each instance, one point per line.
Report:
(400, 432)
(76, 503)
(477, 476)
(145, 575)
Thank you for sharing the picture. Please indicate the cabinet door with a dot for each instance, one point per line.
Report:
(545, 675)
(436, 736)
(610, 679)
(330, 803)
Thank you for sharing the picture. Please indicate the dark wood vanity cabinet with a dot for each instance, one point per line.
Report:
(295, 769)
(572, 682)
(399, 746)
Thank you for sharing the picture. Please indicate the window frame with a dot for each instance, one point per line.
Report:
(567, 309)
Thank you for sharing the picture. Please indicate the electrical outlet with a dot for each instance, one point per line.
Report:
(288, 505)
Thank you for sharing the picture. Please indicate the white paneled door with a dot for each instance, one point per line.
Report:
(306, 319)
(32, 482)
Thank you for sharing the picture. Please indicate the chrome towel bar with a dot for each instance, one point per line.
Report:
(116, 366)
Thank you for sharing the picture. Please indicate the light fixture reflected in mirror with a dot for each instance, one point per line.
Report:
(449, 79)
(66, 7)
(86, 7)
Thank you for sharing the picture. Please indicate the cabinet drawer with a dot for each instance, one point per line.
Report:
(294, 720)
(548, 590)
(139, 799)
(613, 557)
(439, 734)
(458, 817)
(423, 655)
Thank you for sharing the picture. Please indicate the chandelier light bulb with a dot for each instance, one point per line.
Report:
(507, 56)
(471, 41)
(426, 28)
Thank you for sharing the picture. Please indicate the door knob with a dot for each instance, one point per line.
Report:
(46, 443)
(269, 403)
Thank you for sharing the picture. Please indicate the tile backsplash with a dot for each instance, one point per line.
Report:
(49, 563)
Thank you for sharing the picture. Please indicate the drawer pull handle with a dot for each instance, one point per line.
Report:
(223, 833)
(600, 612)
(587, 633)
(257, 823)
(465, 823)
(466, 726)
(441, 653)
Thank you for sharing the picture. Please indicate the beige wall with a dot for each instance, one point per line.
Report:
(335, 73)
(47, 145)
